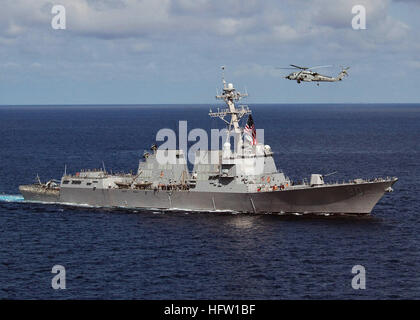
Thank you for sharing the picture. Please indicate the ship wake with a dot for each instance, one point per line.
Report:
(11, 198)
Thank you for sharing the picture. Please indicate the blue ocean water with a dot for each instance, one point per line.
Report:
(150, 254)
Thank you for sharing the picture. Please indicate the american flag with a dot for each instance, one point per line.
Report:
(250, 132)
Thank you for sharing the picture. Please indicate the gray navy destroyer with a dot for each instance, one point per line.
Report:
(239, 178)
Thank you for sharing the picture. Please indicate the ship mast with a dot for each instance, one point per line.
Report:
(230, 95)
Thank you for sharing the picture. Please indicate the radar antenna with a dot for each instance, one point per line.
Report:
(223, 77)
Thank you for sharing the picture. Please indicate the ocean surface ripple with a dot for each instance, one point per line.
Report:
(153, 254)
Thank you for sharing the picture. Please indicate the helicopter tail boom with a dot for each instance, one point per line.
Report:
(343, 73)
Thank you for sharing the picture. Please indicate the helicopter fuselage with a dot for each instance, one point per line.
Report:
(311, 76)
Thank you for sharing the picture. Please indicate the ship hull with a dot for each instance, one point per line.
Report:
(345, 198)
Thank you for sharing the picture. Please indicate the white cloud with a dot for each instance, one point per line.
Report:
(338, 13)
(140, 46)
(166, 38)
(251, 20)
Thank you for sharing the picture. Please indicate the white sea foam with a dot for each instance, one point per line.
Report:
(11, 198)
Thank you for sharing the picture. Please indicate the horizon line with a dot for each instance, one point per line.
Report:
(204, 104)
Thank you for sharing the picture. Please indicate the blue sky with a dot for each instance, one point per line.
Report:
(170, 51)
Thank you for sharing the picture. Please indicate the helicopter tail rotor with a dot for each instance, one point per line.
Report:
(344, 70)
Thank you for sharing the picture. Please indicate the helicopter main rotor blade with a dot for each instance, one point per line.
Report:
(295, 66)
(319, 67)
(278, 68)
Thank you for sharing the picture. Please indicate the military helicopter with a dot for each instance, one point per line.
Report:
(308, 75)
